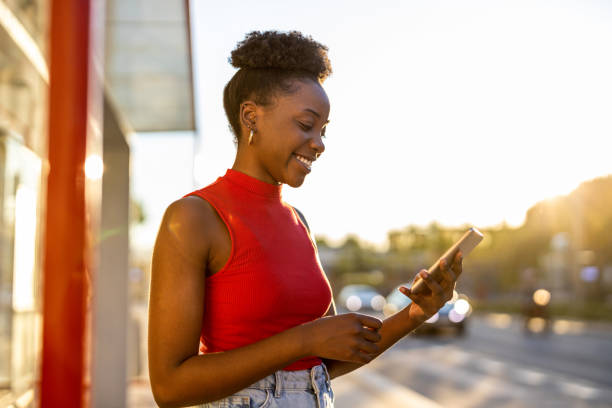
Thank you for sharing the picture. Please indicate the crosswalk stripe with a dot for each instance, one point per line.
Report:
(471, 369)
(578, 390)
(380, 390)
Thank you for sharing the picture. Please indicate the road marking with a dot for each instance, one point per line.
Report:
(578, 390)
(529, 376)
(507, 379)
(492, 367)
(561, 326)
(458, 356)
(499, 320)
(379, 392)
(464, 376)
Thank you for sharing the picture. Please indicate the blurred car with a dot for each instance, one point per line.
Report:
(537, 319)
(357, 298)
(452, 315)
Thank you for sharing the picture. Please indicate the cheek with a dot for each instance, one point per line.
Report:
(275, 150)
(283, 141)
(282, 138)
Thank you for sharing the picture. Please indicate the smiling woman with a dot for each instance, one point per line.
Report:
(277, 99)
(241, 312)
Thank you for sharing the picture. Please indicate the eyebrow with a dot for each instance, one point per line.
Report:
(314, 112)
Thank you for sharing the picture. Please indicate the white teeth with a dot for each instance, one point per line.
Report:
(304, 160)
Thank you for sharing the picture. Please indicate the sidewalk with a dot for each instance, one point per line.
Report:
(139, 394)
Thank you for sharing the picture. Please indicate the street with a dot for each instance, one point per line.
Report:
(494, 365)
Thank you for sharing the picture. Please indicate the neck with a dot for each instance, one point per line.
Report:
(247, 164)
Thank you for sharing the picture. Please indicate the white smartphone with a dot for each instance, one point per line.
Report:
(466, 243)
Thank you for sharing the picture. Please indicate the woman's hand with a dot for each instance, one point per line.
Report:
(428, 302)
(347, 337)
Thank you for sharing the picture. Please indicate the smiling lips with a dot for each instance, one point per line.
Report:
(306, 161)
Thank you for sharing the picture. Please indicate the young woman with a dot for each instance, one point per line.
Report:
(241, 313)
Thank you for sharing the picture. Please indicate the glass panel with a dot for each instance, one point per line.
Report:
(32, 14)
(23, 145)
(23, 96)
(20, 266)
(6, 269)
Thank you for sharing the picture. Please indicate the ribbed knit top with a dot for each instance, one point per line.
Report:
(273, 279)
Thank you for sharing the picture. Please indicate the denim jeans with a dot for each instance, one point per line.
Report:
(310, 388)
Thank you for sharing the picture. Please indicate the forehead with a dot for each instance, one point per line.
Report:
(306, 95)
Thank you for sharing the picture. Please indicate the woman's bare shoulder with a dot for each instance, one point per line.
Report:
(190, 223)
(191, 208)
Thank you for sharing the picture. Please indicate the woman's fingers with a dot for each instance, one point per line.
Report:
(431, 283)
(408, 292)
(370, 335)
(418, 276)
(447, 274)
(457, 266)
(370, 321)
(368, 347)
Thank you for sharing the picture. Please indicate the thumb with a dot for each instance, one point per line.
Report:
(414, 297)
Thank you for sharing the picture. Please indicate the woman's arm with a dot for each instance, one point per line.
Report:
(392, 330)
(185, 245)
(406, 320)
(179, 376)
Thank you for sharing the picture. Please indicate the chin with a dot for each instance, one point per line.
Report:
(295, 181)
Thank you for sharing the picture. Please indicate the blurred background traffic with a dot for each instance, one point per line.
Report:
(445, 115)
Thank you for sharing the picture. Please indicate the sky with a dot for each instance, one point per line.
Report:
(460, 112)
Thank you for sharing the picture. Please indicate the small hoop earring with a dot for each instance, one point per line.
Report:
(251, 137)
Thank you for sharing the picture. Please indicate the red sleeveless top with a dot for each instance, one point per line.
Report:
(273, 279)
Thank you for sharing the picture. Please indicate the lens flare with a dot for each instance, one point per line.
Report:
(461, 306)
(94, 167)
(378, 303)
(390, 309)
(353, 303)
(541, 297)
(455, 316)
(536, 324)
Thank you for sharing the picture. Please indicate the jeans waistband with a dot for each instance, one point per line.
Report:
(307, 379)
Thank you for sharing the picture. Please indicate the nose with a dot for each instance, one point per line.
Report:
(317, 145)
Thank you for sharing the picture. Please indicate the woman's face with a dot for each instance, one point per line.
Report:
(289, 133)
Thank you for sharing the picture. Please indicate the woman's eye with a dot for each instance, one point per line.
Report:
(305, 127)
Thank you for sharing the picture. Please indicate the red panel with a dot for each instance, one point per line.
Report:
(66, 248)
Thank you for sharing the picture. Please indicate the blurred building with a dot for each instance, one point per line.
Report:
(77, 77)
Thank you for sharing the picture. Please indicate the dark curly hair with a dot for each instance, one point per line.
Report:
(270, 62)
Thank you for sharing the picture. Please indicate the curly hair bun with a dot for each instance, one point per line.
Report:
(282, 50)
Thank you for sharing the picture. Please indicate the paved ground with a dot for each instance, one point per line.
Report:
(494, 365)
(497, 365)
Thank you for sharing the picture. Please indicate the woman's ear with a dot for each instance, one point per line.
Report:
(248, 116)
